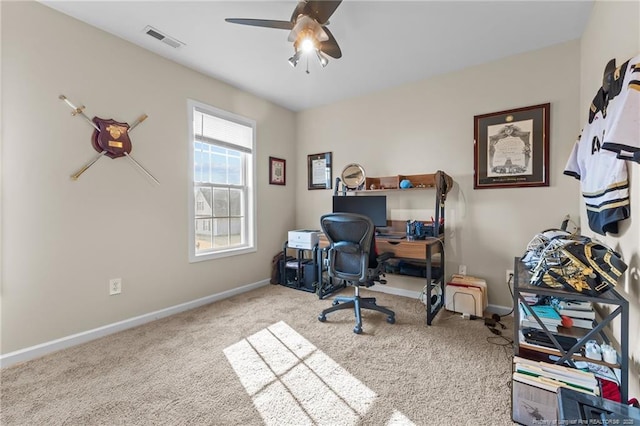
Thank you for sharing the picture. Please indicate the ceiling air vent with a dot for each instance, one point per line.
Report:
(153, 32)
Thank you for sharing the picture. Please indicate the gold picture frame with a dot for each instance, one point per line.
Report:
(511, 148)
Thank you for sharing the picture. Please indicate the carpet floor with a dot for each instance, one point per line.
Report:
(264, 358)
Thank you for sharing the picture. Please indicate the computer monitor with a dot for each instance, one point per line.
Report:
(373, 206)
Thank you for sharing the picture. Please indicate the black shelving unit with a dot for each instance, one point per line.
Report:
(306, 273)
(521, 284)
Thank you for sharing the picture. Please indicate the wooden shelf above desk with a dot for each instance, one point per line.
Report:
(386, 183)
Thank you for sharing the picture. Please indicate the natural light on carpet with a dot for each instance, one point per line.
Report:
(292, 382)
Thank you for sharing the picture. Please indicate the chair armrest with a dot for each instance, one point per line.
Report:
(384, 257)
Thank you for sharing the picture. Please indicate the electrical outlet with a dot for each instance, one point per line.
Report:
(509, 276)
(115, 286)
(462, 269)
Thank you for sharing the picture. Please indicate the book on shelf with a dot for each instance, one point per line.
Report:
(578, 314)
(551, 376)
(576, 305)
(582, 323)
(530, 298)
(534, 324)
(546, 313)
(556, 371)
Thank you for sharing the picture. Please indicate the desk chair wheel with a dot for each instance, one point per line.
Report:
(357, 329)
(391, 320)
(322, 317)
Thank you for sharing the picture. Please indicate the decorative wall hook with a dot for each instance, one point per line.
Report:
(110, 138)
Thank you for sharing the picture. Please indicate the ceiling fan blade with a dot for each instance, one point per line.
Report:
(298, 10)
(320, 10)
(330, 47)
(266, 23)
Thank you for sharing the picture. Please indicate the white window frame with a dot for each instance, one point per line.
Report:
(250, 179)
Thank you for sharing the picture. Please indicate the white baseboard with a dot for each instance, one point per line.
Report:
(396, 291)
(500, 310)
(42, 349)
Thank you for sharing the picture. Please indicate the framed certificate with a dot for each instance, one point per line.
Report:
(319, 171)
(277, 171)
(511, 148)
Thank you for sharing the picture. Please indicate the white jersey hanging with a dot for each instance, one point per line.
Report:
(603, 177)
(623, 133)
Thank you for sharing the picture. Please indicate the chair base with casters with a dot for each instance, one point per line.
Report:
(358, 303)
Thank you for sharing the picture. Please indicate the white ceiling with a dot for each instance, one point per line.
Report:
(384, 43)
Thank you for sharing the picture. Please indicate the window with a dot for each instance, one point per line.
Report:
(221, 193)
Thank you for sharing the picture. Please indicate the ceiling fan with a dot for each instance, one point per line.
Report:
(308, 29)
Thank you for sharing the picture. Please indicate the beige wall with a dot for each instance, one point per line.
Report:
(613, 31)
(63, 240)
(428, 125)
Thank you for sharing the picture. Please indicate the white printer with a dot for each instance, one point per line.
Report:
(303, 238)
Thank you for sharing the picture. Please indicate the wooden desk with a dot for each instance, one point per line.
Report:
(420, 250)
(423, 250)
(406, 249)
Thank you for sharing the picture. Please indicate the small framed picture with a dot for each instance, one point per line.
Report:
(511, 148)
(277, 171)
(319, 171)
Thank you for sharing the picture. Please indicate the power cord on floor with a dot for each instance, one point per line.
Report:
(495, 326)
(511, 292)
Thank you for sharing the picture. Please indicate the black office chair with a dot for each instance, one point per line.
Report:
(352, 258)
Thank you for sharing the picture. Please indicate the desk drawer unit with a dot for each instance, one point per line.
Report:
(407, 249)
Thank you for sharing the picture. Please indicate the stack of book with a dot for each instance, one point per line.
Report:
(547, 314)
(581, 313)
(535, 385)
(551, 376)
(530, 298)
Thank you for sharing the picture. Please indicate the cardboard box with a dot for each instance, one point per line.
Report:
(303, 239)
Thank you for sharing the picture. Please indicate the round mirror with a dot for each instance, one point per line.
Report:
(353, 176)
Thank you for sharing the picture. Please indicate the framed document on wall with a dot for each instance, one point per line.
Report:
(277, 171)
(319, 171)
(511, 148)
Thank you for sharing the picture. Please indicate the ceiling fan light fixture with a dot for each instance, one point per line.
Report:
(306, 41)
(295, 58)
(307, 44)
(307, 30)
(324, 61)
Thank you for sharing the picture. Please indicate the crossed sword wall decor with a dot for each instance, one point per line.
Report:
(110, 138)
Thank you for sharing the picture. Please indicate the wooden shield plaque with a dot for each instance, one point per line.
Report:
(113, 137)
